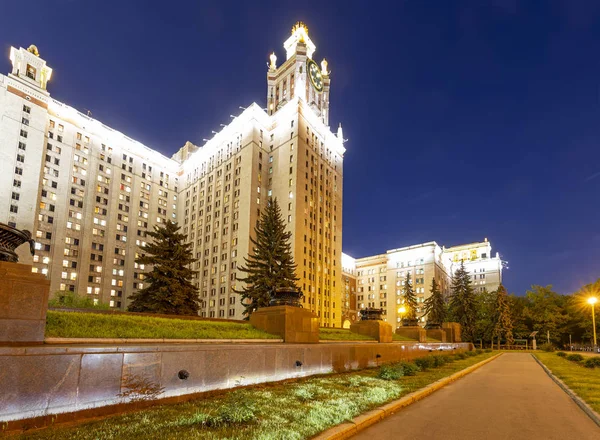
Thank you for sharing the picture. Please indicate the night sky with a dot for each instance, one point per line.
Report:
(464, 120)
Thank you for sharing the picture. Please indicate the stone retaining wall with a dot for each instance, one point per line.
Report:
(40, 381)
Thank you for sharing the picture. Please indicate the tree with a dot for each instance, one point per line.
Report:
(546, 312)
(463, 303)
(435, 306)
(503, 325)
(271, 264)
(410, 300)
(169, 289)
(485, 302)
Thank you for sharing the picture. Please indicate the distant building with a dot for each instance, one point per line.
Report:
(380, 279)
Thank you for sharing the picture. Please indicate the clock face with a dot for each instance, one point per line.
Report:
(315, 75)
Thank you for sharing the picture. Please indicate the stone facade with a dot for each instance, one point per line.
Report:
(23, 304)
(45, 381)
(293, 324)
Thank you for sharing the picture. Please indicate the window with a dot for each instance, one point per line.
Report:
(26, 109)
(31, 72)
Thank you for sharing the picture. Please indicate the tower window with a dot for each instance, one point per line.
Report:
(31, 72)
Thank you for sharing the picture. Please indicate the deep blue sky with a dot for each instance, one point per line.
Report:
(465, 119)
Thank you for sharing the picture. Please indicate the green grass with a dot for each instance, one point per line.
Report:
(396, 337)
(340, 334)
(96, 325)
(585, 382)
(292, 411)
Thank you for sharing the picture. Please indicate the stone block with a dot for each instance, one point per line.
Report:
(23, 304)
(437, 333)
(380, 330)
(414, 332)
(293, 324)
(99, 378)
(452, 330)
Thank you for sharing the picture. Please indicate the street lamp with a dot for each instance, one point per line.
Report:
(401, 312)
(591, 301)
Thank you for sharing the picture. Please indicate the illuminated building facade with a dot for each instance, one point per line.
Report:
(380, 279)
(89, 193)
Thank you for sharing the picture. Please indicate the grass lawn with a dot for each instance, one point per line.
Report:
(292, 410)
(92, 325)
(585, 382)
(396, 337)
(340, 334)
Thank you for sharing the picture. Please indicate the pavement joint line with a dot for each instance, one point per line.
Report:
(363, 421)
(563, 386)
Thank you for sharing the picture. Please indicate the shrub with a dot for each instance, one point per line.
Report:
(592, 362)
(470, 353)
(478, 351)
(425, 362)
(236, 410)
(390, 372)
(72, 300)
(304, 394)
(562, 354)
(488, 350)
(460, 355)
(575, 357)
(547, 347)
(439, 361)
(409, 368)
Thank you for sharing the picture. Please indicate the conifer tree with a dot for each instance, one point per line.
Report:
(435, 306)
(410, 300)
(169, 289)
(271, 263)
(503, 325)
(463, 304)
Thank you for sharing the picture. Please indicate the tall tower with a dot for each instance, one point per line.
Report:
(23, 121)
(299, 76)
(304, 172)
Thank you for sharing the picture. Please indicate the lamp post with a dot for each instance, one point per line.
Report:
(591, 301)
(401, 312)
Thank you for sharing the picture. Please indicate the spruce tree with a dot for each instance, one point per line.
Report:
(169, 289)
(435, 306)
(463, 304)
(503, 325)
(410, 300)
(271, 263)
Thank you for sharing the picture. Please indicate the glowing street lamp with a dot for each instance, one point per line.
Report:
(401, 312)
(591, 301)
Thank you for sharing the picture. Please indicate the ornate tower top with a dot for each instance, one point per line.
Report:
(299, 37)
(34, 50)
(29, 67)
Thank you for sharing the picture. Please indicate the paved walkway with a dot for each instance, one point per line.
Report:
(510, 398)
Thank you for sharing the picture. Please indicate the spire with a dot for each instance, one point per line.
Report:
(340, 133)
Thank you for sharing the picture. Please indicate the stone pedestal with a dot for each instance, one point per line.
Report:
(380, 330)
(293, 324)
(414, 332)
(437, 334)
(452, 330)
(23, 304)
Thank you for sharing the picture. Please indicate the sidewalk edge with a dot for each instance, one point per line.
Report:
(578, 400)
(363, 421)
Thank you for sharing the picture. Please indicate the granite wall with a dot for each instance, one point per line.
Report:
(40, 381)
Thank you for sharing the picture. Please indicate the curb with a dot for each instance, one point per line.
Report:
(357, 424)
(578, 400)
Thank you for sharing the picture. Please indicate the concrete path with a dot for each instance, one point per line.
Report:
(510, 398)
